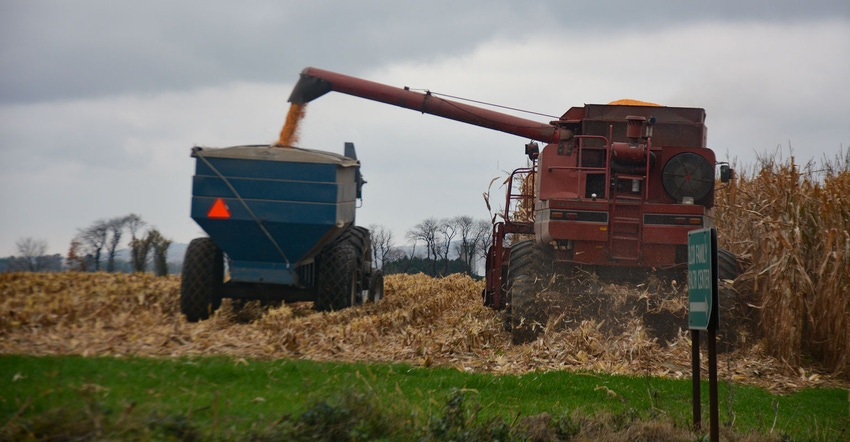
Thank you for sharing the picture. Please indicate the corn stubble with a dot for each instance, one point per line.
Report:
(421, 321)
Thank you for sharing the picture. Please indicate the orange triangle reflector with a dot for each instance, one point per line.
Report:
(219, 210)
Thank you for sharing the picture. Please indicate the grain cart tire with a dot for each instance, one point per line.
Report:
(203, 274)
(376, 286)
(526, 279)
(344, 270)
(337, 277)
(361, 240)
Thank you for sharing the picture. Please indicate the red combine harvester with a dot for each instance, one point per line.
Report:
(615, 188)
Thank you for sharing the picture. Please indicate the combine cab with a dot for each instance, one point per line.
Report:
(281, 227)
(614, 189)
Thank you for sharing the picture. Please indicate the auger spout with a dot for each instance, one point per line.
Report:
(317, 82)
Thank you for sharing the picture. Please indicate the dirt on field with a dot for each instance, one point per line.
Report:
(421, 321)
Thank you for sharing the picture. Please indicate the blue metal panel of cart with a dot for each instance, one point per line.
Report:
(702, 278)
(272, 209)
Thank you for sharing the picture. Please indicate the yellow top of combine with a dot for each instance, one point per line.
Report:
(630, 102)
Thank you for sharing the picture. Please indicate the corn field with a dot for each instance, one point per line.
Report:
(791, 224)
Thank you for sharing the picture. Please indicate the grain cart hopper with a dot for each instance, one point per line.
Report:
(280, 220)
(614, 188)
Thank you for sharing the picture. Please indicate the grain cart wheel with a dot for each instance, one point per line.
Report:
(337, 277)
(361, 240)
(344, 270)
(376, 286)
(526, 279)
(203, 274)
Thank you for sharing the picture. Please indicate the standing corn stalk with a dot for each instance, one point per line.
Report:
(795, 228)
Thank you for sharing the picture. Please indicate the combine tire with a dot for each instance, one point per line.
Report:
(526, 279)
(727, 265)
(735, 316)
(203, 274)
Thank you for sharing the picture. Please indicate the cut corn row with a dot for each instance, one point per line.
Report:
(421, 321)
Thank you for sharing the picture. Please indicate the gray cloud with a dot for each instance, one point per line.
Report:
(65, 50)
(59, 50)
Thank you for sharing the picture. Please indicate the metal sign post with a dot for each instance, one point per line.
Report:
(703, 314)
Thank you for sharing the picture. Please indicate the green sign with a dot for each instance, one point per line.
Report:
(702, 277)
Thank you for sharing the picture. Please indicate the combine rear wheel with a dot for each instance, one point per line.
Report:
(527, 277)
(203, 274)
(727, 265)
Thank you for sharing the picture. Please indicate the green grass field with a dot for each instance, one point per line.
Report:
(227, 399)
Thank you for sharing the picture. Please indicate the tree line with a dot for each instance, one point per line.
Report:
(31, 257)
(436, 247)
(94, 244)
(104, 236)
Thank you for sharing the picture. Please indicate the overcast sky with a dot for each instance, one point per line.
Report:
(101, 101)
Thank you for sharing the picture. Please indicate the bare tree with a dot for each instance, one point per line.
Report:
(134, 223)
(382, 243)
(32, 254)
(139, 247)
(448, 230)
(115, 227)
(397, 255)
(77, 259)
(426, 231)
(465, 249)
(139, 250)
(93, 238)
(482, 232)
(160, 246)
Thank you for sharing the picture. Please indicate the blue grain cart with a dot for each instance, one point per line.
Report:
(281, 227)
